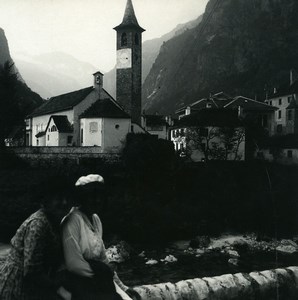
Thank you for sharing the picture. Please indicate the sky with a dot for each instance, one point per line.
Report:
(84, 28)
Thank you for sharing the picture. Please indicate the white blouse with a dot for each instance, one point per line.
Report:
(82, 240)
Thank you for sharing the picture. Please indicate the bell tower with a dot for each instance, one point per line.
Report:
(129, 64)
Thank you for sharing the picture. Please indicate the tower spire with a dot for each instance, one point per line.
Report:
(129, 18)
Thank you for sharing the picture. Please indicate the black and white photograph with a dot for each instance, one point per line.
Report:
(148, 150)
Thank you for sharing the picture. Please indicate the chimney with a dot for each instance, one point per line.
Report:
(208, 103)
(274, 91)
(187, 111)
(240, 112)
(291, 77)
(98, 82)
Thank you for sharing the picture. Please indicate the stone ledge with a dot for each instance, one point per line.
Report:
(266, 285)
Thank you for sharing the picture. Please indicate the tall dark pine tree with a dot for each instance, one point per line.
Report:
(10, 115)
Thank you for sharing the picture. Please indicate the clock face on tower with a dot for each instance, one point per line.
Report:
(124, 58)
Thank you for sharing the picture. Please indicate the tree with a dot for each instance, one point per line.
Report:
(216, 143)
(10, 114)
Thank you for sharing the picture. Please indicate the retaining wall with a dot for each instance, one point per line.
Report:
(279, 284)
(40, 156)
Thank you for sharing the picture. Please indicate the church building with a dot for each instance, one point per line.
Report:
(91, 116)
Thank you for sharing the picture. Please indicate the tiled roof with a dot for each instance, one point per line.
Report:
(286, 90)
(40, 134)
(292, 104)
(62, 102)
(217, 100)
(211, 117)
(155, 120)
(249, 104)
(104, 108)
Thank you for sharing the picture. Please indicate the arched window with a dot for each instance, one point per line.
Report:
(137, 40)
(53, 128)
(124, 39)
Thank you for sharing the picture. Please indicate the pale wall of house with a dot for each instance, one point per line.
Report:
(161, 134)
(81, 107)
(114, 138)
(91, 137)
(39, 123)
(283, 157)
(280, 115)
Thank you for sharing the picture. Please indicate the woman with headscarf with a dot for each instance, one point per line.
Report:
(85, 256)
(28, 271)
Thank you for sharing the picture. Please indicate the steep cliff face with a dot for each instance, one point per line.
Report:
(27, 100)
(4, 53)
(150, 51)
(240, 47)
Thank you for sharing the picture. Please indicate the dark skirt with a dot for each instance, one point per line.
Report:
(100, 287)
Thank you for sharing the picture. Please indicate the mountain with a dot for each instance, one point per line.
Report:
(27, 100)
(240, 47)
(54, 73)
(150, 50)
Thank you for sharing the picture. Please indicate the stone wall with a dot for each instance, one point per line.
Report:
(280, 284)
(56, 156)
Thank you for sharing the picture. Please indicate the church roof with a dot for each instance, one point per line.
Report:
(62, 124)
(104, 108)
(62, 102)
(129, 18)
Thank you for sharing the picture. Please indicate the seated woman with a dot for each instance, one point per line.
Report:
(84, 250)
(29, 268)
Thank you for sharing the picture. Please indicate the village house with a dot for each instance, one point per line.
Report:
(214, 127)
(157, 125)
(283, 146)
(286, 117)
(91, 116)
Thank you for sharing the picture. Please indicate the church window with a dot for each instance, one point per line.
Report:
(82, 137)
(137, 40)
(98, 79)
(124, 39)
(53, 128)
(93, 127)
(117, 126)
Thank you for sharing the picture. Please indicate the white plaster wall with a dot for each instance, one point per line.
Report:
(79, 109)
(114, 139)
(91, 138)
(42, 121)
(52, 138)
(282, 107)
(162, 134)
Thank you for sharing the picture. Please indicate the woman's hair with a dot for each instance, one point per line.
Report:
(52, 187)
(91, 190)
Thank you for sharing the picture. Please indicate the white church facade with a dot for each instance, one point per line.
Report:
(91, 116)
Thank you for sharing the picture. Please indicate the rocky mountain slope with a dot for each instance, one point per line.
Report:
(240, 47)
(150, 51)
(26, 98)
